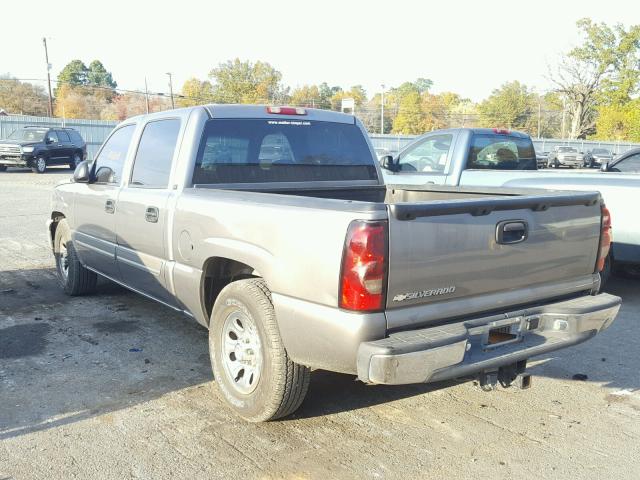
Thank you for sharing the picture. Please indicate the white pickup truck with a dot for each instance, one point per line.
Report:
(272, 227)
(500, 158)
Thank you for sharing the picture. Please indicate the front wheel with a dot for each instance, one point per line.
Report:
(253, 373)
(73, 277)
(40, 165)
(75, 161)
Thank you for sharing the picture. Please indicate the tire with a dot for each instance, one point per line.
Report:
(40, 166)
(270, 386)
(75, 161)
(73, 277)
(3, 168)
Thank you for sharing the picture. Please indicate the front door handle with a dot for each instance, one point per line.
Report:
(512, 231)
(151, 214)
(110, 206)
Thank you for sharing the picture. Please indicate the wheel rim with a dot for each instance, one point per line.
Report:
(241, 352)
(63, 262)
(42, 164)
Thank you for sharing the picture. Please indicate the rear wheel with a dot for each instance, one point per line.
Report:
(40, 165)
(74, 278)
(253, 373)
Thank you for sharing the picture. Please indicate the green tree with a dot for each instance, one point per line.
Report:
(510, 106)
(306, 96)
(603, 70)
(619, 122)
(74, 73)
(97, 75)
(238, 81)
(196, 92)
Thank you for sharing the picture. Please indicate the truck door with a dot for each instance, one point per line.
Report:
(96, 205)
(141, 219)
(424, 162)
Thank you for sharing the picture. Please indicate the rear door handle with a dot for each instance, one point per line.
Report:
(110, 206)
(512, 231)
(151, 214)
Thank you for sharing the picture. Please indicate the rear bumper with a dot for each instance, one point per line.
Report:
(463, 348)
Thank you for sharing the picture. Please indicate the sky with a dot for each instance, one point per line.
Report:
(468, 47)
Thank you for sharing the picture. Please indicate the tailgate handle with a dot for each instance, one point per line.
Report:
(511, 231)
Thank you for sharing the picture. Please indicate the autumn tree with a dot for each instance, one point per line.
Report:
(196, 92)
(409, 119)
(83, 92)
(238, 81)
(22, 98)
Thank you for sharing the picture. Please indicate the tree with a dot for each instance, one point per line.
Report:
(130, 104)
(603, 70)
(307, 96)
(22, 98)
(509, 106)
(74, 73)
(357, 92)
(97, 75)
(244, 82)
(196, 92)
(409, 120)
(619, 122)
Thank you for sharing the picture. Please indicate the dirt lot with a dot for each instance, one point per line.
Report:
(115, 386)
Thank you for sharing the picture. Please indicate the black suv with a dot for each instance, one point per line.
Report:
(40, 147)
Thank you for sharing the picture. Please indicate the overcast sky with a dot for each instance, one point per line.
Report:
(468, 47)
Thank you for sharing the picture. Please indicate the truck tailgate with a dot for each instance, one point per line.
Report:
(463, 250)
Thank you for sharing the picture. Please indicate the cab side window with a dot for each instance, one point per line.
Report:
(110, 161)
(152, 164)
(429, 156)
(628, 165)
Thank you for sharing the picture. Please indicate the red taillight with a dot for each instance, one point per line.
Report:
(363, 279)
(501, 131)
(287, 110)
(605, 238)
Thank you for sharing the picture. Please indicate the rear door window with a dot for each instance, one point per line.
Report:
(63, 137)
(282, 150)
(152, 165)
(501, 152)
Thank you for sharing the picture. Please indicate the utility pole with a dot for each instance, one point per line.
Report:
(146, 93)
(171, 89)
(46, 57)
(382, 110)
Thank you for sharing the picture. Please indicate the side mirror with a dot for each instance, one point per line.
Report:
(48, 140)
(387, 163)
(604, 167)
(82, 172)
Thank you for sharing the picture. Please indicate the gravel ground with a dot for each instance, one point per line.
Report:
(115, 386)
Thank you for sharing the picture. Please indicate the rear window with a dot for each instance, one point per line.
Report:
(75, 136)
(279, 150)
(501, 152)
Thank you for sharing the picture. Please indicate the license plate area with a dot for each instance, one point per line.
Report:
(502, 332)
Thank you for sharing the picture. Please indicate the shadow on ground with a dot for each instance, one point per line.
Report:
(63, 360)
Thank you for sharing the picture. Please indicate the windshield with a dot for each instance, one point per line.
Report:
(282, 150)
(501, 152)
(28, 134)
(567, 149)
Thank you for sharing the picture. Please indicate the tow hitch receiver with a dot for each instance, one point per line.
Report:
(506, 376)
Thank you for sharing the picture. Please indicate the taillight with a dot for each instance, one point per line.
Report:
(287, 110)
(605, 238)
(363, 278)
(501, 131)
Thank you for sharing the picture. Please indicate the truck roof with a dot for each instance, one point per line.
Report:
(480, 131)
(251, 111)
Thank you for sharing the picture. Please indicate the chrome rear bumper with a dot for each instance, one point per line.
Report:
(469, 347)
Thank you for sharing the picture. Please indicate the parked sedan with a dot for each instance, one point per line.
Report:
(597, 157)
(565, 157)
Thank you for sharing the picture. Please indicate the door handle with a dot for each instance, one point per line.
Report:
(110, 206)
(511, 231)
(151, 214)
